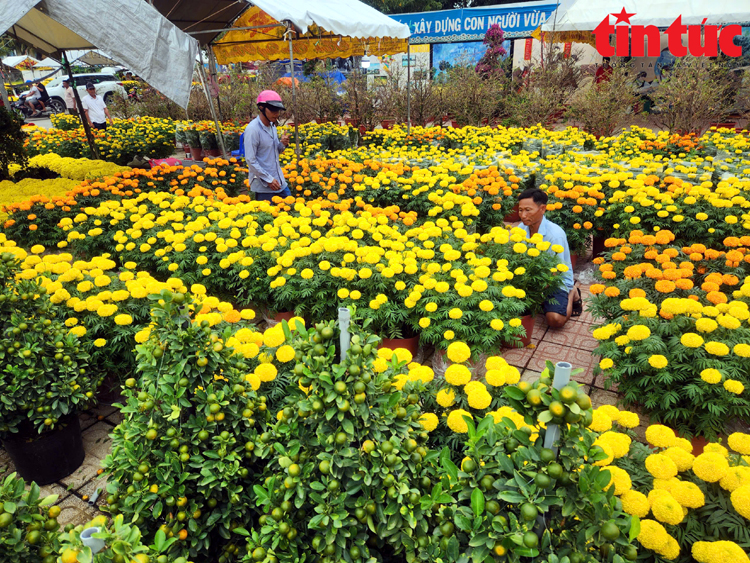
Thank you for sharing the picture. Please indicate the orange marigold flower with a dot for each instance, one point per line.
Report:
(651, 254)
(636, 292)
(664, 286)
(655, 274)
(611, 292)
(729, 279)
(709, 286)
(597, 288)
(731, 241)
(684, 284)
(672, 274)
(618, 256)
(716, 297)
(632, 272)
(649, 240)
(606, 268)
(609, 275)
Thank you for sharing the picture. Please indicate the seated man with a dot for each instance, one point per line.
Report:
(532, 203)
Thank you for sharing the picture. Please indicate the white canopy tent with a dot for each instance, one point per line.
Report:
(585, 15)
(349, 18)
(18, 59)
(47, 63)
(132, 31)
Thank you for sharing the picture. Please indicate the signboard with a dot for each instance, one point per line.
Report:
(527, 49)
(470, 24)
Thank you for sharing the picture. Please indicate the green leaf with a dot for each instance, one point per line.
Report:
(9, 507)
(545, 417)
(635, 527)
(477, 502)
(448, 465)
(515, 393)
(347, 425)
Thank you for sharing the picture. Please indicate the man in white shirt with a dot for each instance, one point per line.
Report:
(95, 108)
(70, 99)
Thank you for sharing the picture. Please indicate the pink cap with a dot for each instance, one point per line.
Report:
(268, 96)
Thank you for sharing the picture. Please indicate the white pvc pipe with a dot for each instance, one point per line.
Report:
(345, 316)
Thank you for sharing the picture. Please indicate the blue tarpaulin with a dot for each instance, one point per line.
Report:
(335, 75)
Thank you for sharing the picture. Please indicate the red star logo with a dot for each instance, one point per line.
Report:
(623, 16)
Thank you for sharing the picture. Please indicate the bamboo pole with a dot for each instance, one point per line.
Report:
(294, 96)
(204, 83)
(79, 105)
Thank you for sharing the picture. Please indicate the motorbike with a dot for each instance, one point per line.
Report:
(21, 107)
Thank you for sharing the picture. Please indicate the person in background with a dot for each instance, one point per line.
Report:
(263, 147)
(43, 95)
(604, 72)
(70, 99)
(95, 108)
(32, 97)
(566, 301)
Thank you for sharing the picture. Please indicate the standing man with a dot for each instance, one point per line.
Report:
(70, 99)
(566, 301)
(262, 149)
(95, 108)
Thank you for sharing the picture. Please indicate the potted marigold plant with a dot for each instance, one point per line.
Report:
(44, 381)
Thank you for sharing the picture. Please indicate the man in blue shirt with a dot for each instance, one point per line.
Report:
(566, 301)
(262, 148)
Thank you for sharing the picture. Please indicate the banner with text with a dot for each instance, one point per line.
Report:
(470, 24)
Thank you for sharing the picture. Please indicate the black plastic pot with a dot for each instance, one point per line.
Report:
(49, 457)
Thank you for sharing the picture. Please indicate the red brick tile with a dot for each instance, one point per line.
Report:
(574, 335)
(518, 357)
(559, 353)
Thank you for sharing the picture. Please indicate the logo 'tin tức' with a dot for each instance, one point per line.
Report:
(703, 40)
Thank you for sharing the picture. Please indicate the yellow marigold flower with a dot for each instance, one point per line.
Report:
(601, 422)
(717, 348)
(741, 501)
(635, 503)
(274, 337)
(691, 340)
(266, 372)
(739, 442)
(458, 352)
(638, 332)
(718, 552)
(716, 449)
(79, 331)
(735, 478)
(653, 535)
(711, 375)
(457, 374)
(688, 494)
(661, 466)
(428, 421)
(710, 467)
(495, 377)
(628, 419)
(666, 509)
(99, 342)
(142, 335)
(660, 436)
(658, 361)
(285, 354)
(734, 386)
(106, 310)
(620, 479)
(253, 380)
(606, 363)
(456, 421)
(123, 320)
(380, 365)
(445, 397)
(682, 459)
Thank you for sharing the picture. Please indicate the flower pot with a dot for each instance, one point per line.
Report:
(698, 442)
(213, 153)
(411, 344)
(527, 322)
(573, 260)
(362, 130)
(387, 123)
(196, 153)
(49, 457)
(513, 216)
(287, 316)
